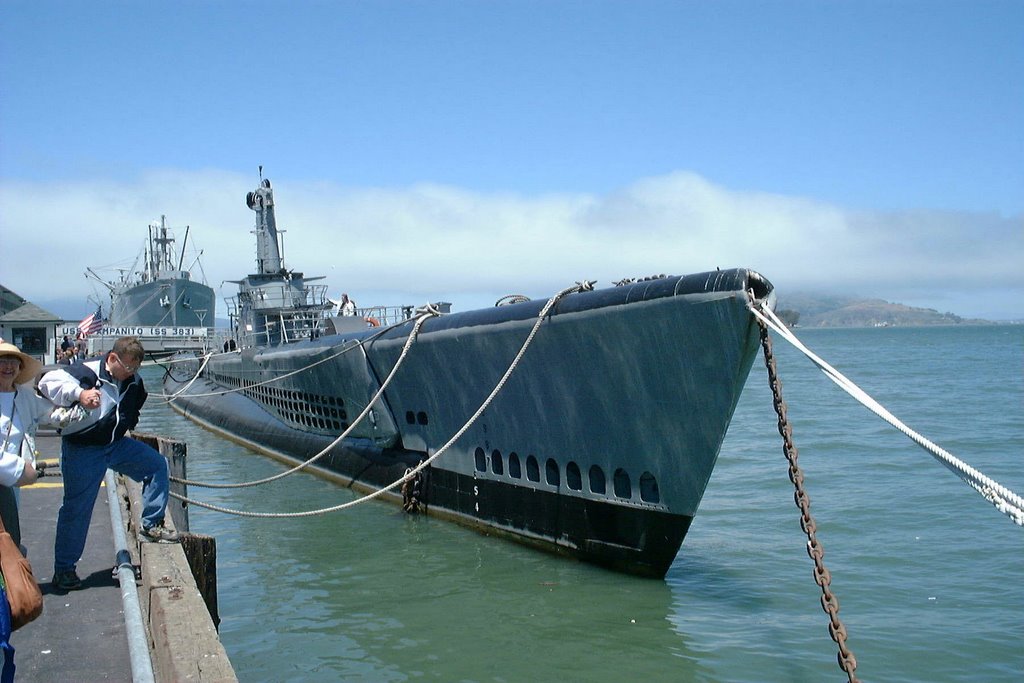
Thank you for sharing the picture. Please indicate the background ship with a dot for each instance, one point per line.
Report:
(599, 445)
(158, 300)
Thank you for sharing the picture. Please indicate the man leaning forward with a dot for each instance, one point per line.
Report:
(112, 392)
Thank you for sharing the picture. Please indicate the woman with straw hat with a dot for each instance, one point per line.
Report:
(21, 409)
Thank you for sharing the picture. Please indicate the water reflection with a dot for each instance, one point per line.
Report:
(372, 594)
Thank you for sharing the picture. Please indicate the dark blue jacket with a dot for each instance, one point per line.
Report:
(120, 402)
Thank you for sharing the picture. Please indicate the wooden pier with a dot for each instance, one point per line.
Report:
(82, 635)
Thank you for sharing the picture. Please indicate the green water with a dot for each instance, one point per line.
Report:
(929, 576)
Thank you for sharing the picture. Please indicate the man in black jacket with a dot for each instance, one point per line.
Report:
(113, 394)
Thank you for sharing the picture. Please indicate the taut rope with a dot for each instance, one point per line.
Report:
(366, 411)
(169, 398)
(1004, 500)
(412, 472)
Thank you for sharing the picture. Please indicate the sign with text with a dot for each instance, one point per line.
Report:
(142, 331)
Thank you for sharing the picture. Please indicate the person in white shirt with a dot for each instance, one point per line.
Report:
(21, 411)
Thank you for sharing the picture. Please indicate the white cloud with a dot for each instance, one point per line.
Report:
(430, 242)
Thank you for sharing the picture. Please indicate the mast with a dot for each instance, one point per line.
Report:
(268, 255)
(159, 258)
(184, 241)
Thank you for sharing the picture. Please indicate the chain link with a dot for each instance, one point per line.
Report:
(412, 491)
(822, 577)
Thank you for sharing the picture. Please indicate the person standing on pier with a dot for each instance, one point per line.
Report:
(21, 410)
(110, 388)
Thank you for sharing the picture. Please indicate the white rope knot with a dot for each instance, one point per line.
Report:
(585, 285)
(428, 309)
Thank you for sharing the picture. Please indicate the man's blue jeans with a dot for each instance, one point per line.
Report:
(83, 469)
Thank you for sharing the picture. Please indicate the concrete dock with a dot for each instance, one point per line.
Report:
(82, 635)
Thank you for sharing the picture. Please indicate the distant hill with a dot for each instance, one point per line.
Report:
(812, 310)
(809, 310)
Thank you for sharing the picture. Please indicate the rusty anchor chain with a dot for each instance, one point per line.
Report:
(822, 577)
(412, 492)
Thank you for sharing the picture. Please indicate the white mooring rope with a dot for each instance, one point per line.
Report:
(412, 472)
(1004, 500)
(358, 343)
(430, 312)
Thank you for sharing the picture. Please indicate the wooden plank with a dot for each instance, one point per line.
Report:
(182, 633)
(201, 554)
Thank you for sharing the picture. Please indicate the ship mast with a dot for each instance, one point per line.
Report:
(268, 254)
(159, 260)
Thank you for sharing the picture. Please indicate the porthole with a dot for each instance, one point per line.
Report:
(497, 465)
(597, 482)
(410, 417)
(573, 479)
(481, 460)
(421, 418)
(515, 470)
(649, 488)
(532, 469)
(623, 487)
(551, 474)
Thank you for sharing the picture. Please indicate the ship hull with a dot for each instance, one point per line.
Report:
(170, 302)
(599, 446)
(167, 315)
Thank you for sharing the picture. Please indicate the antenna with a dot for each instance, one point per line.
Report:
(182, 259)
(261, 171)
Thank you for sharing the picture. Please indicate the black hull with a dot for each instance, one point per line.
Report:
(634, 541)
(599, 447)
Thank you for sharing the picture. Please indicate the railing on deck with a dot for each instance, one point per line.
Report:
(299, 315)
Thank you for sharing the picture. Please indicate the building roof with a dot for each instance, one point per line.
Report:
(10, 300)
(29, 313)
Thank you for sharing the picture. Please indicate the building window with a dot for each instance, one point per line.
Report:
(31, 340)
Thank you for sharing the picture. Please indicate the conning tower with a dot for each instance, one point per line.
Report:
(268, 254)
(274, 305)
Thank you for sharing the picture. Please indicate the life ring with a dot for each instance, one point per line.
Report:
(372, 322)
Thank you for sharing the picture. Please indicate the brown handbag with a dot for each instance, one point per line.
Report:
(23, 593)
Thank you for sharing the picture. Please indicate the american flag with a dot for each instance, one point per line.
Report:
(92, 323)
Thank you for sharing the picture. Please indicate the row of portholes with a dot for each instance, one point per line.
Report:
(622, 485)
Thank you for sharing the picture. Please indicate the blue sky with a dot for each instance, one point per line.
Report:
(466, 150)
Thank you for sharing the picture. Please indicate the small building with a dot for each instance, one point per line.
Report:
(30, 328)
